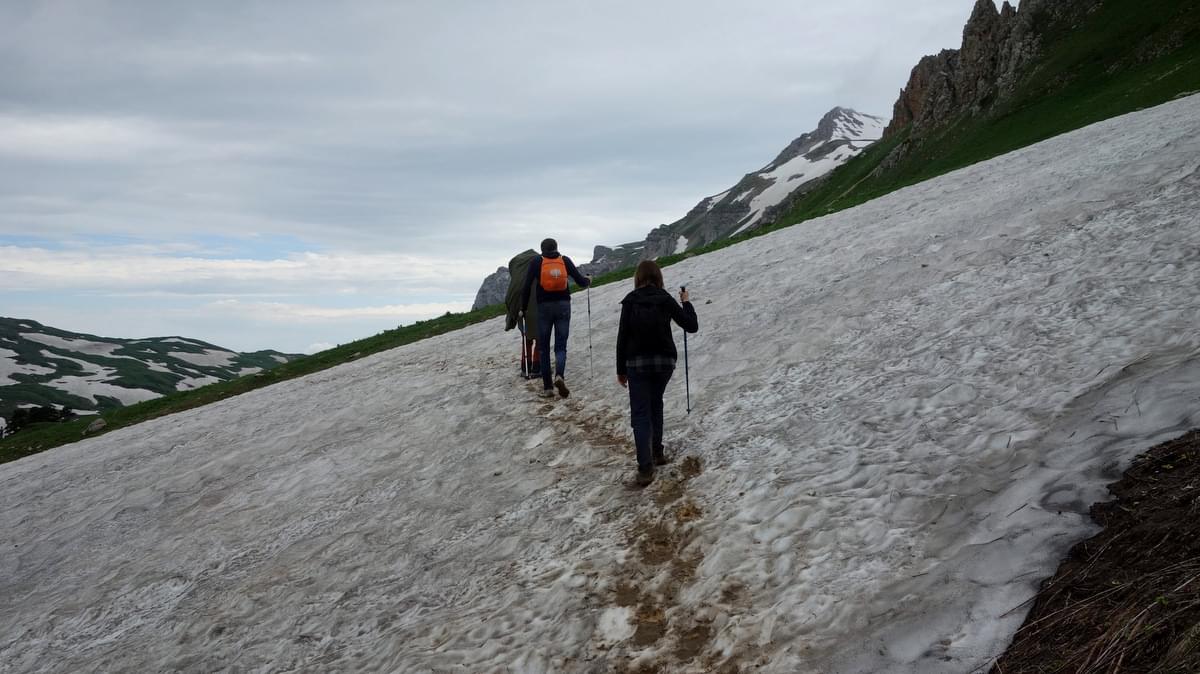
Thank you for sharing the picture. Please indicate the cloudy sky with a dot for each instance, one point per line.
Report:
(295, 174)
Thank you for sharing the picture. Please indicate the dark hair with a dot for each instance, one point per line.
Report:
(648, 274)
(549, 246)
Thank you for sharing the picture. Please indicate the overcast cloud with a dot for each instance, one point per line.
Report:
(295, 174)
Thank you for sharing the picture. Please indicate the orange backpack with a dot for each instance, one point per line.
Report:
(554, 274)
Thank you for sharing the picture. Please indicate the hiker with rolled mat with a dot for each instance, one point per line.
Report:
(646, 357)
(547, 275)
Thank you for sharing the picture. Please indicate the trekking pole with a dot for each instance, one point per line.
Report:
(591, 369)
(524, 348)
(687, 385)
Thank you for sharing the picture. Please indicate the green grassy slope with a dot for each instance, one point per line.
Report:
(1126, 56)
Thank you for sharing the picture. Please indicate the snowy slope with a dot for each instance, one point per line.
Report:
(901, 413)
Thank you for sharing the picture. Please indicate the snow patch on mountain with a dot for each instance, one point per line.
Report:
(9, 366)
(78, 345)
(189, 383)
(207, 358)
(714, 200)
(89, 387)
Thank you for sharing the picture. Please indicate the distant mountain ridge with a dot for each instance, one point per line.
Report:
(753, 201)
(756, 199)
(41, 365)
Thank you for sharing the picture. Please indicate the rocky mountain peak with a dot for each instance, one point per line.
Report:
(839, 124)
(842, 123)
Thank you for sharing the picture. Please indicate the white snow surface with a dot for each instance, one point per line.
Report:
(9, 366)
(715, 199)
(902, 411)
(90, 386)
(77, 345)
(208, 357)
(106, 349)
(189, 383)
(680, 245)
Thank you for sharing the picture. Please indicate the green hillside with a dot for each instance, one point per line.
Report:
(44, 366)
(1126, 56)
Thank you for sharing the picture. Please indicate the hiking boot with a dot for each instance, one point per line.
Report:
(546, 393)
(660, 458)
(561, 385)
(644, 478)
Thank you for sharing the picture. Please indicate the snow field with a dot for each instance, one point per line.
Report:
(207, 358)
(10, 366)
(901, 413)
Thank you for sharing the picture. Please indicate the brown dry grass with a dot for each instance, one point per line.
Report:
(1128, 599)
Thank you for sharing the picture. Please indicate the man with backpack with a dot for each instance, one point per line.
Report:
(550, 272)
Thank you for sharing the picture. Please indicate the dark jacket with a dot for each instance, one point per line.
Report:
(645, 330)
(534, 276)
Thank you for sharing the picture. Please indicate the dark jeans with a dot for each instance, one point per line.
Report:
(556, 316)
(646, 414)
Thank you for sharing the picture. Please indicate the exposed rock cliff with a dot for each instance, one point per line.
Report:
(998, 46)
(493, 289)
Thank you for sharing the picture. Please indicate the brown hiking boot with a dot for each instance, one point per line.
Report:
(561, 385)
(644, 478)
(660, 457)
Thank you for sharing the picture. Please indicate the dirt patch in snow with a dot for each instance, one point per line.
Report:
(663, 562)
(687, 511)
(656, 543)
(1127, 599)
(627, 594)
(669, 491)
(651, 623)
(692, 642)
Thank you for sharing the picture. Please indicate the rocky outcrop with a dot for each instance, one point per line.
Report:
(605, 259)
(998, 46)
(493, 289)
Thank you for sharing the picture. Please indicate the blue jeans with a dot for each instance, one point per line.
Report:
(646, 414)
(556, 316)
